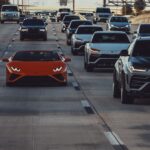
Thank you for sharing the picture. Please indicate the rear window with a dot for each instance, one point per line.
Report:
(75, 24)
(142, 48)
(103, 10)
(33, 22)
(64, 10)
(36, 56)
(110, 38)
(69, 18)
(144, 29)
(119, 19)
(9, 8)
(88, 30)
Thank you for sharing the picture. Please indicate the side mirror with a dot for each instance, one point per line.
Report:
(67, 59)
(5, 60)
(124, 53)
(20, 23)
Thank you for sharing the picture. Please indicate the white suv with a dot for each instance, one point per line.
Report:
(10, 13)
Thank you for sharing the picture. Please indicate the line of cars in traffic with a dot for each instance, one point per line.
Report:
(113, 49)
(101, 49)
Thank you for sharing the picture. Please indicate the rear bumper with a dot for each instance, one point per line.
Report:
(35, 35)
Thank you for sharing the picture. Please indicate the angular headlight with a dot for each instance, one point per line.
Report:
(42, 30)
(133, 69)
(94, 51)
(57, 69)
(15, 69)
(24, 30)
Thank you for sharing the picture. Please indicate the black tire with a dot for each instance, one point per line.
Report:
(68, 42)
(45, 38)
(116, 89)
(125, 97)
(21, 38)
(2, 22)
(73, 51)
(9, 84)
(64, 84)
(88, 68)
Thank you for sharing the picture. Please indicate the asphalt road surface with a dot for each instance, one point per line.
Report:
(81, 116)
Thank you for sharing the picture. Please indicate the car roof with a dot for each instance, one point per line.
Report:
(90, 26)
(80, 21)
(110, 32)
(118, 17)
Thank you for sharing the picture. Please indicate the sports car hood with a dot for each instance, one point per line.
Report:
(84, 37)
(36, 68)
(141, 62)
(109, 48)
(119, 24)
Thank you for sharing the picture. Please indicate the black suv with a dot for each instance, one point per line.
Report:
(74, 24)
(33, 28)
(131, 77)
(66, 21)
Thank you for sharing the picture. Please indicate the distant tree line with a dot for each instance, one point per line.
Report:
(2, 2)
(139, 6)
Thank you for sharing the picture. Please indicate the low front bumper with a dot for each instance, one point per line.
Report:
(37, 80)
(103, 61)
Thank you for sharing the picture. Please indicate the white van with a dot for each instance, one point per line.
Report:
(9, 13)
(102, 14)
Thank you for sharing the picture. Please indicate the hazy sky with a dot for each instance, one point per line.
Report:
(55, 3)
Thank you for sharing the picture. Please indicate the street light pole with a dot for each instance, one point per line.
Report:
(22, 5)
(73, 5)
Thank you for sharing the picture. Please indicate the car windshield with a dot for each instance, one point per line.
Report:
(119, 19)
(9, 8)
(110, 38)
(142, 48)
(103, 10)
(69, 18)
(64, 10)
(33, 22)
(145, 29)
(88, 30)
(36, 56)
(75, 24)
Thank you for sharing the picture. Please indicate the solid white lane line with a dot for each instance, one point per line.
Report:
(85, 103)
(113, 139)
(69, 72)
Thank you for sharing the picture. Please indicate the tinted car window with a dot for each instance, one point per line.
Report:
(144, 29)
(9, 8)
(103, 10)
(69, 18)
(77, 23)
(119, 19)
(33, 22)
(88, 30)
(36, 56)
(64, 10)
(110, 38)
(142, 48)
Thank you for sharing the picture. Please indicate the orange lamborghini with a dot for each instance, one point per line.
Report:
(36, 67)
